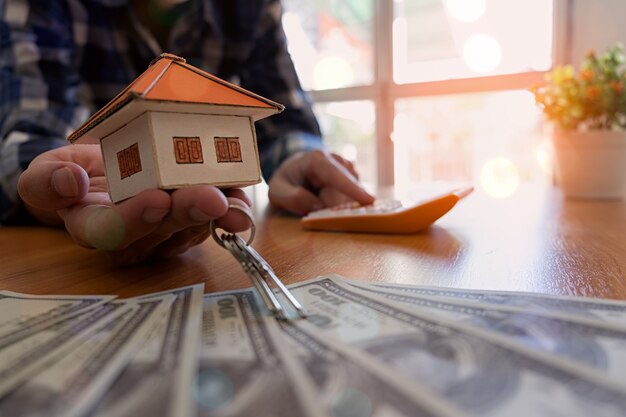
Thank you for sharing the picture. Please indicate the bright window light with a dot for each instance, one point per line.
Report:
(331, 43)
(466, 10)
(493, 138)
(457, 138)
(436, 40)
(349, 129)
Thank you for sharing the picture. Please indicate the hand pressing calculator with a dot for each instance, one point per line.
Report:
(384, 215)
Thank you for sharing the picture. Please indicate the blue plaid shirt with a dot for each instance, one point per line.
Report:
(61, 60)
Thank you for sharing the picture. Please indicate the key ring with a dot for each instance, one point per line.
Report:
(258, 270)
(245, 211)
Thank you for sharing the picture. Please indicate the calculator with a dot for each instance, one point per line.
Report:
(384, 215)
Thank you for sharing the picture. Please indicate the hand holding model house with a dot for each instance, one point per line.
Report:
(167, 142)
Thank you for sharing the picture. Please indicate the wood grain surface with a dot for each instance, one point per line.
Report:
(534, 240)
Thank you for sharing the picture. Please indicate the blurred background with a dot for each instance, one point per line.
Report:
(436, 91)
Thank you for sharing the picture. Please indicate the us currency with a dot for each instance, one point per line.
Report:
(480, 372)
(595, 308)
(35, 349)
(245, 368)
(22, 315)
(350, 384)
(599, 345)
(159, 378)
(69, 386)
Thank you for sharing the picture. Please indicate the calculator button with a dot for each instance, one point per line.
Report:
(354, 209)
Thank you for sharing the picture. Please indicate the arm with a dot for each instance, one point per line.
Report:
(66, 184)
(38, 105)
(302, 176)
(269, 71)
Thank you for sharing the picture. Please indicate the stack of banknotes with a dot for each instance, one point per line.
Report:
(364, 350)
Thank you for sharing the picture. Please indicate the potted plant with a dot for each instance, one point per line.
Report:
(588, 109)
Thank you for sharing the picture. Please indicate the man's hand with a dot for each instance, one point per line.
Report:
(312, 180)
(67, 185)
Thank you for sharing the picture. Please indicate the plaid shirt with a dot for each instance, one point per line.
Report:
(61, 60)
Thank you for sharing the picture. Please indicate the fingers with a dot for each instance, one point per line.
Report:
(293, 197)
(154, 222)
(238, 194)
(325, 171)
(346, 164)
(331, 197)
(322, 172)
(96, 223)
(143, 221)
(59, 178)
(184, 227)
(191, 208)
(235, 221)
(53, 185)
(177, 244)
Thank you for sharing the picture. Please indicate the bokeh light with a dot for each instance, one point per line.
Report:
(499, 177)
(545, 156)
(332, 72)
(104, 228)
(482, 53)
(352, 403)
(213, 389)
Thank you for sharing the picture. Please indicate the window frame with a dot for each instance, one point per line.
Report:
(189, 144)
(384, 91)
(227, 149)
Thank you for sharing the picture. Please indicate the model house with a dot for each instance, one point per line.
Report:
(177, 126)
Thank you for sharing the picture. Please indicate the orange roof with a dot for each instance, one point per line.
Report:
(170, 78)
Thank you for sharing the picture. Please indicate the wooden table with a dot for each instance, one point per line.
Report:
(534, 240)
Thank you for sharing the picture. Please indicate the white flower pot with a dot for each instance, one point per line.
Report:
(591, 164)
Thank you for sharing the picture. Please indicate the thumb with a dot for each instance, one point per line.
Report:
(52, 185)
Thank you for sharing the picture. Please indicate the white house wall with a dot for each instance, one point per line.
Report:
(166, 126)
(137, 131)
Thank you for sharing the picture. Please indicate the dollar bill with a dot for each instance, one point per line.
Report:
(22, 315)
(479, 372)
(27, 356)
(245, 368)
(350, 384)
(596, 308)
(69, 386)
(599, 345)
(158, 380)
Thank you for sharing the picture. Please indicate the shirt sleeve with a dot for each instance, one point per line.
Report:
(38, 85)
(270, 72)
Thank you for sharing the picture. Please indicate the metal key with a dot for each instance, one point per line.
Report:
(258, 270)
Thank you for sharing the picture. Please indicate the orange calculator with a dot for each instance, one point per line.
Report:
(384, 215)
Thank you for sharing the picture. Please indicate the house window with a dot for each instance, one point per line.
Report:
(129, 161)
(228, 149)
(188, 150)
